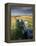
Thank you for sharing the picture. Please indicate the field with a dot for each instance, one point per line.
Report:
(24, 18)
(27, 19)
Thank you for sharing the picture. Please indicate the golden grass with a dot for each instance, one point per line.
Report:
(13, 19)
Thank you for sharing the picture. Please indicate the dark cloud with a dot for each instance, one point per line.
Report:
(21, 11)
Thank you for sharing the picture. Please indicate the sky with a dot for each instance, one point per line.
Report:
(18, 11)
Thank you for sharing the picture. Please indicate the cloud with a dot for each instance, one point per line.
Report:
(21, 11)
